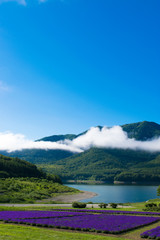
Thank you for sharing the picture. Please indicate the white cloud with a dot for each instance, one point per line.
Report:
(12, 142)
(21, 2)
(113, 137)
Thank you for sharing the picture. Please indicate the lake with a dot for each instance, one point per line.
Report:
(118, 193)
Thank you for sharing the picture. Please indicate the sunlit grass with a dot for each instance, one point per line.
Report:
(14, 232)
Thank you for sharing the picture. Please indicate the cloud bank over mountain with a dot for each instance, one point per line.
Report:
(113, 137)
(12, 142)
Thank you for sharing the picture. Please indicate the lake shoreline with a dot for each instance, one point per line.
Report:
(69, 198)
(117, 193)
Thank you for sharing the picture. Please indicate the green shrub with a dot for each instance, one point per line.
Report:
(103, 205)
(114, 205)
(78, 205)
(150, 205)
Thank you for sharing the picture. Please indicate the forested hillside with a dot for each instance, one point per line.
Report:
(21, 181)
(142, 130)
(40, 156)
(109, 165)
(14, 167)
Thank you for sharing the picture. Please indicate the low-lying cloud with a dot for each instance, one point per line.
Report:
(16, 142)
(113, 137)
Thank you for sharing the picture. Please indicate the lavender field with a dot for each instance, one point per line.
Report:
(79, 220)
(112, 212)
(152, 234)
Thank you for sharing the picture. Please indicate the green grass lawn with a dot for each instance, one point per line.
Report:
(14, 232)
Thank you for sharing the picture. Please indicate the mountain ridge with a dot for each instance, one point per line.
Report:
(101, 164)
(140, 131)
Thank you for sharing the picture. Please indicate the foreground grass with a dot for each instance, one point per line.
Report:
(135, 234)
(14, 232)
(39, 208)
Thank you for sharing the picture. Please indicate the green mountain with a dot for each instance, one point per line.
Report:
(56, 138)
(23, 182)
(38, 156)
(109, 165)
(101, 164)
(139, 131)
(142, 130)
(14, 167)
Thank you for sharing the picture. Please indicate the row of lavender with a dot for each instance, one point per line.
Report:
(152, 234)
(102, 211)
(111, 211)
(13, 215)
(78, 221)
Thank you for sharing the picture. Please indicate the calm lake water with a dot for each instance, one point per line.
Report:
(118, 193)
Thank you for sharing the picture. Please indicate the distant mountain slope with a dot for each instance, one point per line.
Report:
(142, 130)
(39, 156)
(139, 131)
(55, 138)
(108, 165)
(14, 167)
(101, 164)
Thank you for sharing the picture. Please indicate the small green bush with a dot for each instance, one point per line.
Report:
(78, 205)
(150, 205)
(114, 205)
(103, 205)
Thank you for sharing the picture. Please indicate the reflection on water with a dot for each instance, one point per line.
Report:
(118, 193)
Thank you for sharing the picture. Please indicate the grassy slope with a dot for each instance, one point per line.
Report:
(30, 189)
(14, 232)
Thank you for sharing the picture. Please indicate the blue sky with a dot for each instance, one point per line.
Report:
(68, 65)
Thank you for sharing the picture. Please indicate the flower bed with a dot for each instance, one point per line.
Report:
(12, 215)
(92, 222)
(112, 212)
(152, 234)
